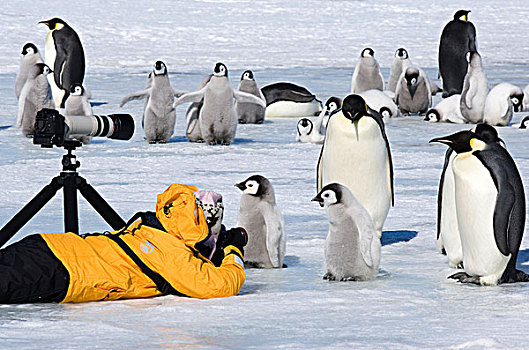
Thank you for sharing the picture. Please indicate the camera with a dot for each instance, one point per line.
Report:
(236, 236)
(52, 128)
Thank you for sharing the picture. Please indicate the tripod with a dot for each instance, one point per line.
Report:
(70, 181)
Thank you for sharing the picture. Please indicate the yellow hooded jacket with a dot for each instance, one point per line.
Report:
(100, 269)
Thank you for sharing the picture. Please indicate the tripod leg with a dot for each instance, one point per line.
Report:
(100, 205)
(71, 214)
(25, 214)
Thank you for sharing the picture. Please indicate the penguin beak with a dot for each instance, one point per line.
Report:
(45, 22)
(240, 186)
(441, 140)
(318, 199)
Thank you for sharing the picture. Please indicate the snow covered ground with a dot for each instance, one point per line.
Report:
(410, 304)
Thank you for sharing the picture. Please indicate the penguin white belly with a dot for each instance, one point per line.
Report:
(49, 57)
(449, 237)
(356, 157)
(291, 109)
(475, 201)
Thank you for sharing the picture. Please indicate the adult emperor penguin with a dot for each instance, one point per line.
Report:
(447, 110)
(401, 61)
(380, 102)
(356, 154)
(64, 53)
(218, 117)
(288, 100)
(501, 102)
(490, 202)
(259, 215)
(367, 75)
(30, 56)
(352, 247)
(159, 115)
(250, 113)
(448, 237)
(77, 104)
(458, 38)
(35, 95)
(413, 94)
(475, 90)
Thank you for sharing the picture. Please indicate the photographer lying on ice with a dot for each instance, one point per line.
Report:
(168, 252)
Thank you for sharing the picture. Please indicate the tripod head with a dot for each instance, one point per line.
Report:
(69, 162)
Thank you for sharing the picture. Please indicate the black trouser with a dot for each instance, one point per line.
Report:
(31, 273)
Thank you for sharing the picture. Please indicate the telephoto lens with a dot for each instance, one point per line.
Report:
(114, 126)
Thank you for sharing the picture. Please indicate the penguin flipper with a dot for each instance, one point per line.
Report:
(275, 236)
(138, 95)
(448, 153)
(241, 96)
(319, 171)
(178, 93)
(502, 217)
(195, 96)
(373, 114)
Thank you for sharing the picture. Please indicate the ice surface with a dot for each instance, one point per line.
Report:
(410, 304)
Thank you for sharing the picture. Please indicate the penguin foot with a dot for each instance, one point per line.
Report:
(521, 276)
(329, 276)
(349, 278)
(212, 143)
(152, 142)
(464, 277)
(460, 265)
(284, 266)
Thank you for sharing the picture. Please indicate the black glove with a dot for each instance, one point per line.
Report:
(236, 237)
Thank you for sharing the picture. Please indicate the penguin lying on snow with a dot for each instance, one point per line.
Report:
(30, 56)
(448, 110)
(490, 202)
(34, 96)
(284, 100)
(367, 75)
(217, 116)
(259, 215)
(501, 102)
(352, 247)
(315, 132)
(250, 113)
(448, 237)
(356, 154)
(64, 53)
(158, 115)
(525, 123)
(380, 102)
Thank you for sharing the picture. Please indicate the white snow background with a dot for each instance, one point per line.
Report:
(410, 304)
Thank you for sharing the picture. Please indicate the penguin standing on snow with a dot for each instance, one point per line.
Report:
(352, 247)
(159, 115)
(401, 61)
(77, 104)
(64, 53)
(259, 215)
(30, 56)
(475, 90)
(193, 133)
(502, 101)
(356, 154)
(35, 95)
(367, 75)
(217, 116)
(305, 130)
(250, 113)
(490, 202)
(458, 38)
(448, 237)
(413, 94)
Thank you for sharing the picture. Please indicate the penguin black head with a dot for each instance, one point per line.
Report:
(329, 195)
(255, 185)
(354, 107)
(367, 52)
(42, 68)
(432, 116)
(247, 75)
(333, 103)
(29, 48)
(401, 53)
(220, 70)
(517, 100)
(525, 123)
(412, 77)
(305, 125)
(77, 89)
(460, 142)
(55, 23)
(486, 132)
(159, 68)
(461, 15)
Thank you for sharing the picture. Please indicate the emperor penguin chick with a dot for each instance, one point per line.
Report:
(77, 104)
(259, 215)
(30, 56)
(399, 64)
(413, 94)
(475, 90)
(502, 101)
(250, 113)
(352, 247)
(367, 75)
(34, 96)
(159, 115)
